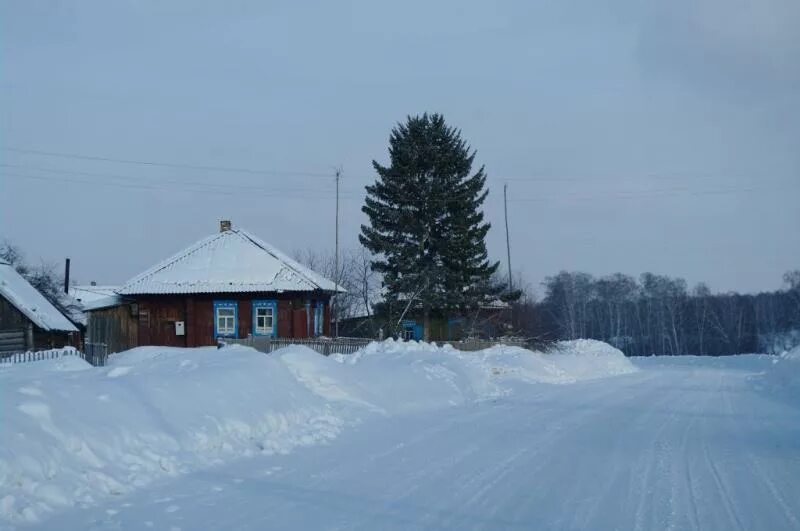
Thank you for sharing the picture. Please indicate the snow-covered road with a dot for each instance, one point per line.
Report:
(679, 445)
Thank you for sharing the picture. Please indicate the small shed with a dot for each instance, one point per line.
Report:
(28, 321)
(230, 284)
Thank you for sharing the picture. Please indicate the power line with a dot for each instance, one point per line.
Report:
(234, 193)
(138, 178)
(166, 164)
(307, 193)
(319, 175)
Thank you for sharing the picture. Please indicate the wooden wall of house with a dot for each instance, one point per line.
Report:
(12, 328)
(158, 313)
(10, 317)
(117, 327)
(157, 318)
(18, 333)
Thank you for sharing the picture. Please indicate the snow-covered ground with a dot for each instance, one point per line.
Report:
(399, 436)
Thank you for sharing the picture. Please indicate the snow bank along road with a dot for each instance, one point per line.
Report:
(681, 443)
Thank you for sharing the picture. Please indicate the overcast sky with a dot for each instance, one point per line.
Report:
(639, 136)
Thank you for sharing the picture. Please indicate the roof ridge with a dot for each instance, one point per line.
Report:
(228, 261)
(255, 241)
(188, 251)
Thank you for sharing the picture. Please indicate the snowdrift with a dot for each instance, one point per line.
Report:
(73, 434)
(784, 375)
(405, 377)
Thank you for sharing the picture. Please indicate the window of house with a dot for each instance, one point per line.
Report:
(319, 313)
(265, 318)
(226, 320)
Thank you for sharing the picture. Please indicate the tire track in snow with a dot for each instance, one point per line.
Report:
(754, 464)
(485, 482)
(589, 416)
(692, 494)
(654, 460)
(722, 488)
(494, 426)
(621, 455)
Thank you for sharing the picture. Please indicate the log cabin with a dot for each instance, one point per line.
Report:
(228, 285)
(28, 321)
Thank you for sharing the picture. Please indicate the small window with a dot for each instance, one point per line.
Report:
(225, 319)
(265, 318)
(319, 313)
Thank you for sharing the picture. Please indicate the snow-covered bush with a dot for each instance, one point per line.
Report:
(784, 375)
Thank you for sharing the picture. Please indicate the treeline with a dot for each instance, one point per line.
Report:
(657, 314)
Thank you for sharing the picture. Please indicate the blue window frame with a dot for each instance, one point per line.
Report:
(265, 318)
(226, 319)
(411, 330)
(319, 317)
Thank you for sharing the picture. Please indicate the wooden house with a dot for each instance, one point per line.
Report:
(491, 319)
(28, 321)
(231, 284)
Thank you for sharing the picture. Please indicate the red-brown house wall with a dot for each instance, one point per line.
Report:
(158, 313)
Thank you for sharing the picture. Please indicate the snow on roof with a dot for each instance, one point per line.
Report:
(495, 304)
(90, 293)
(25, 298)
(231, 261)
(90, 297)
(103, 302)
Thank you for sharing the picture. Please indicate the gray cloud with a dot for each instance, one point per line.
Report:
(658, 136)
(754, 45)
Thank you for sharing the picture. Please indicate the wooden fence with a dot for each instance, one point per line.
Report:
(473, 345)
(94, 353)
(325, 346)
(349, 345)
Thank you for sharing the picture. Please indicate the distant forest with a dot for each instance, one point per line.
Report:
(652, 314)
(659, 315)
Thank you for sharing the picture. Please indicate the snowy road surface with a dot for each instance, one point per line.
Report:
(677, 445)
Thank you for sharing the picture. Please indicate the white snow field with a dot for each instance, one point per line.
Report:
(401, 436)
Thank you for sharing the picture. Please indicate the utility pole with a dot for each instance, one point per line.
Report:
(66, 276)
(508, 241)
(336, 258)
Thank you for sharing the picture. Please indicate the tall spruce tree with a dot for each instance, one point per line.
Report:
(426, 229)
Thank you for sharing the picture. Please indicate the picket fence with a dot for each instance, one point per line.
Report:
(323, 345)
(349, 345)
(94, 353)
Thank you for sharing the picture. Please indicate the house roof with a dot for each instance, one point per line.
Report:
(90, 293)
(27, 299)
(92, 297)
(105, 302)
(231, 261)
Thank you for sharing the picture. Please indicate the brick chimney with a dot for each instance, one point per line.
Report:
(224, 225)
